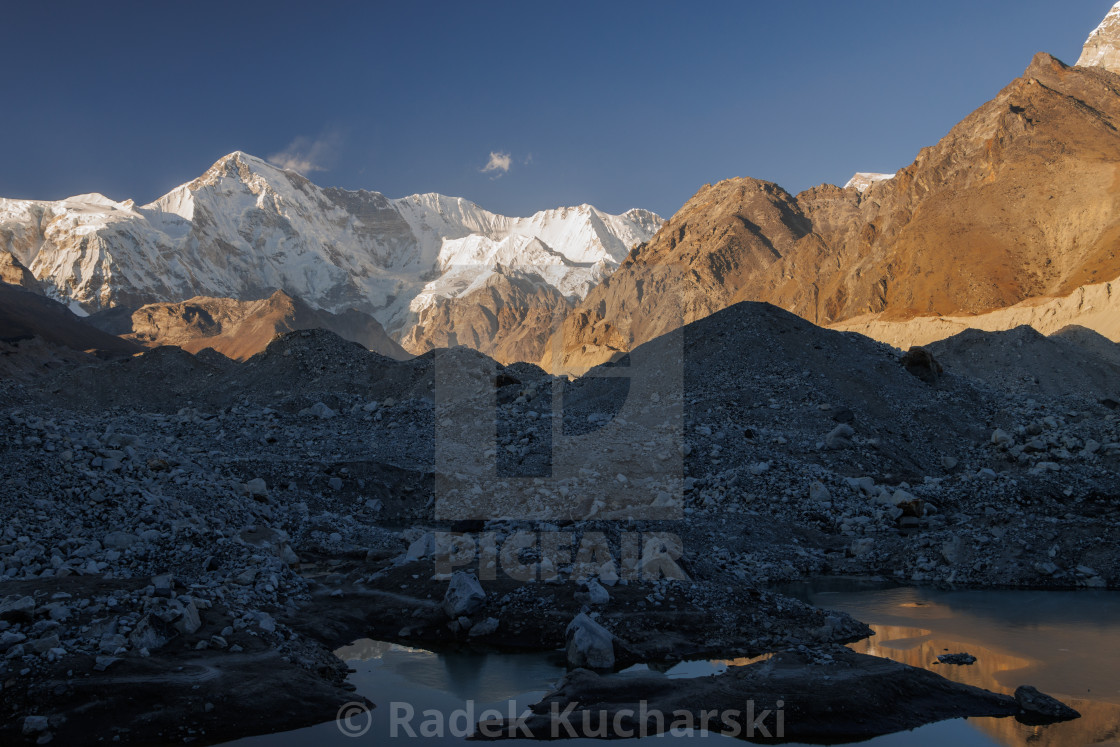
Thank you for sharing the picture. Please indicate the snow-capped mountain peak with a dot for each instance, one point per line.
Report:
(1102, 48)
(862, 180)
(246, 227)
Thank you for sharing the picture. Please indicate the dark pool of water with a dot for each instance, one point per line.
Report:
(1064, 643)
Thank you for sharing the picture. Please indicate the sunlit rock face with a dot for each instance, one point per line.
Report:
(13, 273)
(1102, 48)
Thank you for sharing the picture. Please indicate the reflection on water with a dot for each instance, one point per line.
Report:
(387, 673)
(919, 647)
(468, 675)
(1065, 643)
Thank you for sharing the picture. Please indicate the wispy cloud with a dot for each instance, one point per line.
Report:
(498, 164)
(305, 154)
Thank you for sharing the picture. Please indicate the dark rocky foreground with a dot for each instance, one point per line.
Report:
(185, 539)
(822, 694)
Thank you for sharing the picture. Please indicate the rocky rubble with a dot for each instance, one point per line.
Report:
(176, 510)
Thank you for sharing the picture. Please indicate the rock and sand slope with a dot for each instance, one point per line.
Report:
(1017, 201)
(1093, 307)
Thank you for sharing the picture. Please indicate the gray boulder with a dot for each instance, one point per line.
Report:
(17, 609)
(464, 595)
(593, 594)
(319, 410)
(489, 626)
(839, 437)
(119, 540)
(35, 725)
(257, 488)
(589, 644)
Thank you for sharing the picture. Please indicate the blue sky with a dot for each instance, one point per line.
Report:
(619, 104)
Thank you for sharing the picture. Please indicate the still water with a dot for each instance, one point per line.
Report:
(1064, 643)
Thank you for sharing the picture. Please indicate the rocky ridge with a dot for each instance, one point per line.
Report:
(240, 329)
(509, 316)
(26, 316)
(1035, 163)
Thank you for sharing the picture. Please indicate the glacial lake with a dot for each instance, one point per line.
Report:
(1066, 644)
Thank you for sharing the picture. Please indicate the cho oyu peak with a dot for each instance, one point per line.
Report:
(246, 227)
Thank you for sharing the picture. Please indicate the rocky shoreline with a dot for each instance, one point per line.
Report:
(825, 694)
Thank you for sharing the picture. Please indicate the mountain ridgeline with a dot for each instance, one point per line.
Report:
(246, 228)
(1018, 204)
(1020, 200)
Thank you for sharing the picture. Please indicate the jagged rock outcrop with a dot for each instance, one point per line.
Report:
(241, 329)
(1019, 200)
(725, 235)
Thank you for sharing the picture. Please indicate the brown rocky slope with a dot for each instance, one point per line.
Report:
(13, 273)
(509, 318)
(1019, 200)
(241, 329)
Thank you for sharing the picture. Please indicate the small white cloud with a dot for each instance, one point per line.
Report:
(498, 164)
(305, 154)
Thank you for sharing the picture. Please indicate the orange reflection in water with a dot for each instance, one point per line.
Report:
(998, 671)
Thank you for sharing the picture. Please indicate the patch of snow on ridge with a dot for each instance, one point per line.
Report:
(864, 179)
